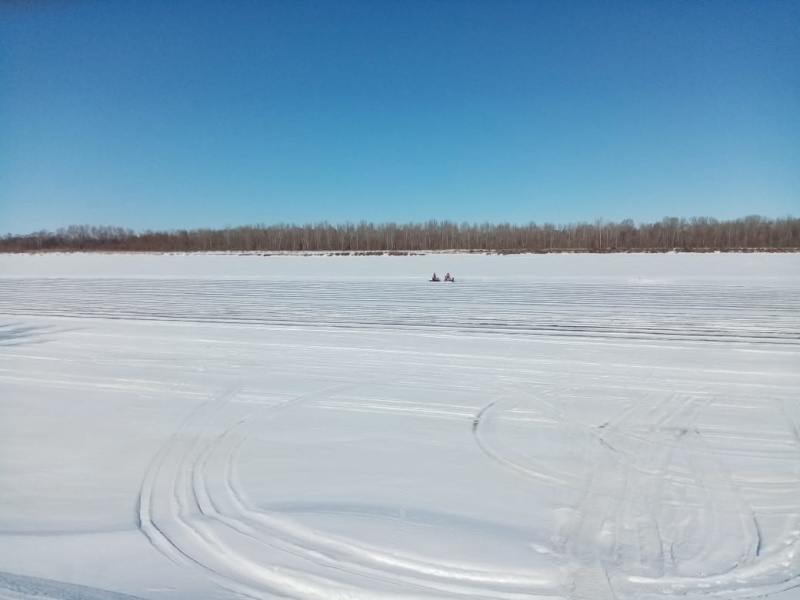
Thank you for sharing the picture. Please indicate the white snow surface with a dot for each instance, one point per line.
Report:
(561, 426)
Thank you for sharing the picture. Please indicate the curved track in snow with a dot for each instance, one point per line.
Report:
(194, 510)
(668, 516)
(575, 440)
(666, 508)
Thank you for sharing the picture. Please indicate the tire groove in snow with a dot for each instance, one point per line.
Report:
(181, 528)
(597, 536)
(664, 492)
(673, 312)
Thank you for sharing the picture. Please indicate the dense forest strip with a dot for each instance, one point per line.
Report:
(672, 233)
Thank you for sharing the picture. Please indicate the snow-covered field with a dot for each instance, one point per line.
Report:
(564, 426)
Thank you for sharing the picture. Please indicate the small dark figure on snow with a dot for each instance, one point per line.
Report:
(447, 277)
(434, 278)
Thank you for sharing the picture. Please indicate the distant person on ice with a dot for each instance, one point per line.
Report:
(447, 277)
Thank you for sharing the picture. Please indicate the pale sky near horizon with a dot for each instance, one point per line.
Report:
(184, 114)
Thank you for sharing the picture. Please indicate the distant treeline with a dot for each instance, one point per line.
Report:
(695, 234)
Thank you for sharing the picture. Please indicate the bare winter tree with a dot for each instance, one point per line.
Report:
(698, 234)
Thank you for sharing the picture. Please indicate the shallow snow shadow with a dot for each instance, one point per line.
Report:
(408, 516)
(17, 334)
(37, 587)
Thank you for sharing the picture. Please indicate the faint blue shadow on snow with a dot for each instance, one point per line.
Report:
(22, 586)
(410, 516)
(18, 334)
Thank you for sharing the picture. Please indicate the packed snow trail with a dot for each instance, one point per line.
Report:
(253, 433)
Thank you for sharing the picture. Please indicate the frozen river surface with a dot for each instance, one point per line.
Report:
(573, 427)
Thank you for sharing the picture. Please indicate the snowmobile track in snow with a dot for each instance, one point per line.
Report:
(177, 485)
(585, 438)
(665, 312)
(195, 511)
(602, 527)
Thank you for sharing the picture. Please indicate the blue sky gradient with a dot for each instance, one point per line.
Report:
(187, 114)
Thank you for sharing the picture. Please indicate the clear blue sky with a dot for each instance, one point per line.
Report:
(184, 114)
